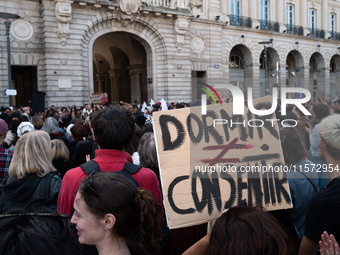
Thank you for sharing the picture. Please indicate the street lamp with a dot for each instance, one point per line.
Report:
(8, 17)
(265, 65)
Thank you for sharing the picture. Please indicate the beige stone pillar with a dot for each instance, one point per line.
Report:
(303, 14)
(280, 11)
(114, 76)
(255, 79)
(224, 7)
(306, 79)
(135, 73)
(100, 81)
(253, 13)
(324, 15)
(327, 80)
(253, 9)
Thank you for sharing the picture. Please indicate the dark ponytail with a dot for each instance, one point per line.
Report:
(150, 222)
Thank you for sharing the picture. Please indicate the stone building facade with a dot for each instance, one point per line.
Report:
(143, 49)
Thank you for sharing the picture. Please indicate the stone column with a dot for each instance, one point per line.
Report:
(303, 13)
(282, 72)
(224, 8)
(254, 81)
(100, 80)
(253, 9)
(280, 11)
(135, 73)
(324, 15)
(306, 80)
(114, 76)
(253, 14)
(327, 90)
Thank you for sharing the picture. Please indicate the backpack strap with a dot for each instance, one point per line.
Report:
(90, 167)
(314, 187)
(94, 148)
(45, 184)
(128, 170)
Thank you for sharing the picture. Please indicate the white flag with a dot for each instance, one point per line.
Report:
(143, 107)
(152, 102)
(164, 105)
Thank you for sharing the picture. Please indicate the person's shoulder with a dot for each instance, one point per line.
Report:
(4, 151)
(74, 173)
(146, 172)
(145, 176)
(321, 200)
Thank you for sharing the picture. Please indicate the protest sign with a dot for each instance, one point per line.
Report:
(212, 162)
(98, 98)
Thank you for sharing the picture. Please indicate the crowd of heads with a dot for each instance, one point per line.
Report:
(115, 207)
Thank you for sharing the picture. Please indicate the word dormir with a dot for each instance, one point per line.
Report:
(201, 128)
(238, 101)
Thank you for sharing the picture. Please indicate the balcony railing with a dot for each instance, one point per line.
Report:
(168, 3)
(296, 30)
(334, 36)
(319, 33)
(236, 20)
(269, 25)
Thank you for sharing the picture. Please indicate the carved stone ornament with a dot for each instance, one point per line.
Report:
(197, 45)
(63, 11)
(22, 30)
(181, 27)
(195, 3)
(130, 7)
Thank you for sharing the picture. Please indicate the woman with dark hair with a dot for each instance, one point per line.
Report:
(112, 214)
(243, 231)
(302, 178)
(11, 137)
(39, 231)
(79, 132)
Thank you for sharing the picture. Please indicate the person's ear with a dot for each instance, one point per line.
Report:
(321, 144)
(109, 221)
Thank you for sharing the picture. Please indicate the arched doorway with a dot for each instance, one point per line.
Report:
(335, 76)
(317, 75)
(294, 69)
(120, 67)
(240, 67)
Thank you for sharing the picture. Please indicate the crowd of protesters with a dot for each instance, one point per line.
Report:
(88, 178)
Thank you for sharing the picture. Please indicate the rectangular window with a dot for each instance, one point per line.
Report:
(312, 20)
(264, 10)
(235, 7)
(332, 20)
(289, 16)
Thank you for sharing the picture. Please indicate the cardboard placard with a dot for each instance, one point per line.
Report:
(98, 98)
(212, 162)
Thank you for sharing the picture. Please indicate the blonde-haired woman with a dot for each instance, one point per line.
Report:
(32, 178)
